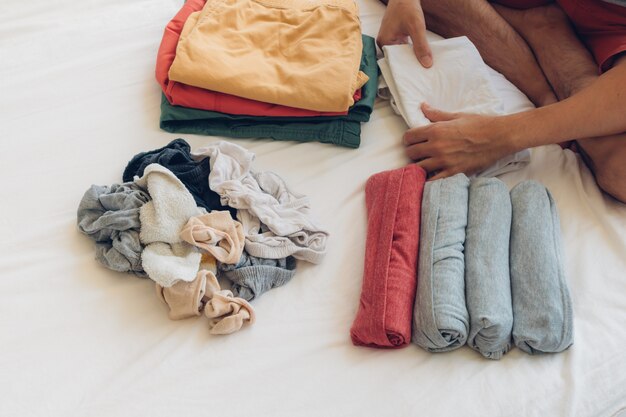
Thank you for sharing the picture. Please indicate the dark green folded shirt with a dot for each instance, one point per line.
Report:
(339, 130)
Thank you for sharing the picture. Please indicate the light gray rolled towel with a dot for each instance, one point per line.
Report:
(487, 279)
(440, 318)
(542, 308)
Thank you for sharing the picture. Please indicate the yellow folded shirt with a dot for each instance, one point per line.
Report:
(298, 53)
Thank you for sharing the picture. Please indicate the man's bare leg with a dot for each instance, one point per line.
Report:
(569, 67)
(498, 43)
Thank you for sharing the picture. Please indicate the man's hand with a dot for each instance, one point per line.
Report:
(456, 142)
(405, 19)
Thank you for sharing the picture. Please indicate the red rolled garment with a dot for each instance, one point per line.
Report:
(394, 201)
(180, 94)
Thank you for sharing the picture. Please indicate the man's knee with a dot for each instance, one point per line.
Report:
(550, 16)
(610, 173)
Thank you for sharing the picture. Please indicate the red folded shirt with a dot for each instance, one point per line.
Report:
(198, 98)
(394, 201)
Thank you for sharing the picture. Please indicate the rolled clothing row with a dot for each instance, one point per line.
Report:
(176, 221)
(259, 85)
(489, 271)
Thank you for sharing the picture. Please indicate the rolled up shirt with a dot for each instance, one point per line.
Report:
(393, 200)
(487, 278)
(542, 308)
(441, 320)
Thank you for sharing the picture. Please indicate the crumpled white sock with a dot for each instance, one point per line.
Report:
(166, 258)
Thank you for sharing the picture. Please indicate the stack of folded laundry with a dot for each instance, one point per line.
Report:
(288, 70)
(184, 219)
(458, 261)
(448, 85)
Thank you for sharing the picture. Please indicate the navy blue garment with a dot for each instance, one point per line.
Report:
(176, 156)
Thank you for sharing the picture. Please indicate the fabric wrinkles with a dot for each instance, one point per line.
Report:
(166, 258)
(110, 216)
(282, 44)
(176, 157)
(448, 86)
(265, 195)
(253, 276)
(338, 130)
(217, 233)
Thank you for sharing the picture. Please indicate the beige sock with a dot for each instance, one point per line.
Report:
(226, 313)
(208, 262)
(216, 233)
(184, 299)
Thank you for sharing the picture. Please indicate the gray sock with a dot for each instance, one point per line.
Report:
(542, 308)
(110, 216)
(254, 276)
(487, 279)
(440, 318)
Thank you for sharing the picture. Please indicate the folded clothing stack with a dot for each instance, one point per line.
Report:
(184, 219)
(488, 271)
(447, 85)
(300, 71)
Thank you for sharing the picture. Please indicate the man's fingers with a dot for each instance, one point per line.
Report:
(383, 40)
(420, 44)
(440, 175)
(413, 136)
(435, 115)
(430, 165)
(419, 151)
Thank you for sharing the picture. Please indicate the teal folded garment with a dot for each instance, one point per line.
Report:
(342, 130)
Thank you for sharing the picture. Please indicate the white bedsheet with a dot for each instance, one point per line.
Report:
(79, 100)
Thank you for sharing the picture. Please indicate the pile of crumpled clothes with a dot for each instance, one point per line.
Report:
(184, 219)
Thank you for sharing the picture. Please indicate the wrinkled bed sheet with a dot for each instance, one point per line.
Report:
(80, 99)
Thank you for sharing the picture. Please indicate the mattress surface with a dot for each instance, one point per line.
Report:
(80, 99)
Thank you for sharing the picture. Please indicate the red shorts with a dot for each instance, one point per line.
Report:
(600, 25)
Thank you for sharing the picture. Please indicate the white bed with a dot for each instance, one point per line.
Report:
(79, 340)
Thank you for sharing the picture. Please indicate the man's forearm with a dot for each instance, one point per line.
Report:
(597, 110)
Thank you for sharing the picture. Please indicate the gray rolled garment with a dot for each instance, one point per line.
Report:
(440, 318)
(487, 279)
(542, 308)
(110, 216)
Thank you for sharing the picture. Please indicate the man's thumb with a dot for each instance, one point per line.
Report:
(435, 115)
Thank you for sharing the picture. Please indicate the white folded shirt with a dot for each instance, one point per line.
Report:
(458, 81)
